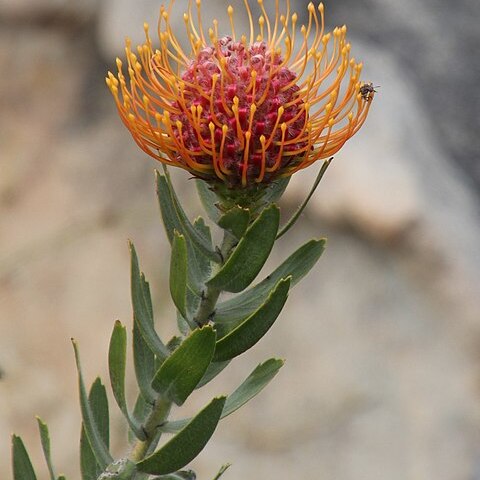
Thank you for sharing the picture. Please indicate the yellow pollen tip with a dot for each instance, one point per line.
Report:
(185, 18)
(321, 8)
(179, 125)
(248, 135)
(225, 129)
(262, 139)
(230, 10)
(198, 2)
(283, 126)
(119, 63)
(294, 18)
(280, 111)
(211, 126)
(311, 7)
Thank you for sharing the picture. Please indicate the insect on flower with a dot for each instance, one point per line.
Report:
(367, 90)
(243, 110)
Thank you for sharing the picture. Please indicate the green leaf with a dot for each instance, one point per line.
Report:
(142, 308)
(180, 373)
(222, 470)
(117, 362)
(213, 370)
(250, 255)
(22, 466)
(45, 439)
(178, 273)
(98, 402)
(229, 313)
(208, 199)
(187, 443)
(236, 221)
(300, 209)
(88, 465)
(252, 385)
(62, 477)
(99, 448)
(250, 331)
(174, 216)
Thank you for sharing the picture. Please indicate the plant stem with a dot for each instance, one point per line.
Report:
(159, 413)
(206, 309)
(161, 407)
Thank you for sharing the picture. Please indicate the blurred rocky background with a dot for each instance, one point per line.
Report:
(382, 341)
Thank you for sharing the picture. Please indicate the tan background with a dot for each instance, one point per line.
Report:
(381, 340)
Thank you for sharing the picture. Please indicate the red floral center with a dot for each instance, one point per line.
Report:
(221, 85)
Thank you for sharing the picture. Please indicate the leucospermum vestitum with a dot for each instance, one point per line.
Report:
(247, 109)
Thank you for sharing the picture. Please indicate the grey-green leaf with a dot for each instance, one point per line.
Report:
(252, 385)
(140, 412)
(182, 475)
(180, 373)
(143, 360)
(21, 464)
(187, 443)
(275, 190)
(249, 388)
(208, 199)
(178, 273)
(117, 362)
(142, 308)
(250, 255)
(178, 218)
(199, 266)
(250, 331)
(213, 370)
(100, 450)
(222, 470)
(229, 313)
(45, 439)
(291, 222)
(98, 401)
(236, 221)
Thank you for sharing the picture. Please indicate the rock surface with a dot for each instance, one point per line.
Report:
(381, 341)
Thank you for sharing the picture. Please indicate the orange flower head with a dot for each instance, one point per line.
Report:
(242, 111)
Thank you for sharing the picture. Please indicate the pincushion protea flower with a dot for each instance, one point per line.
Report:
(237, 109)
